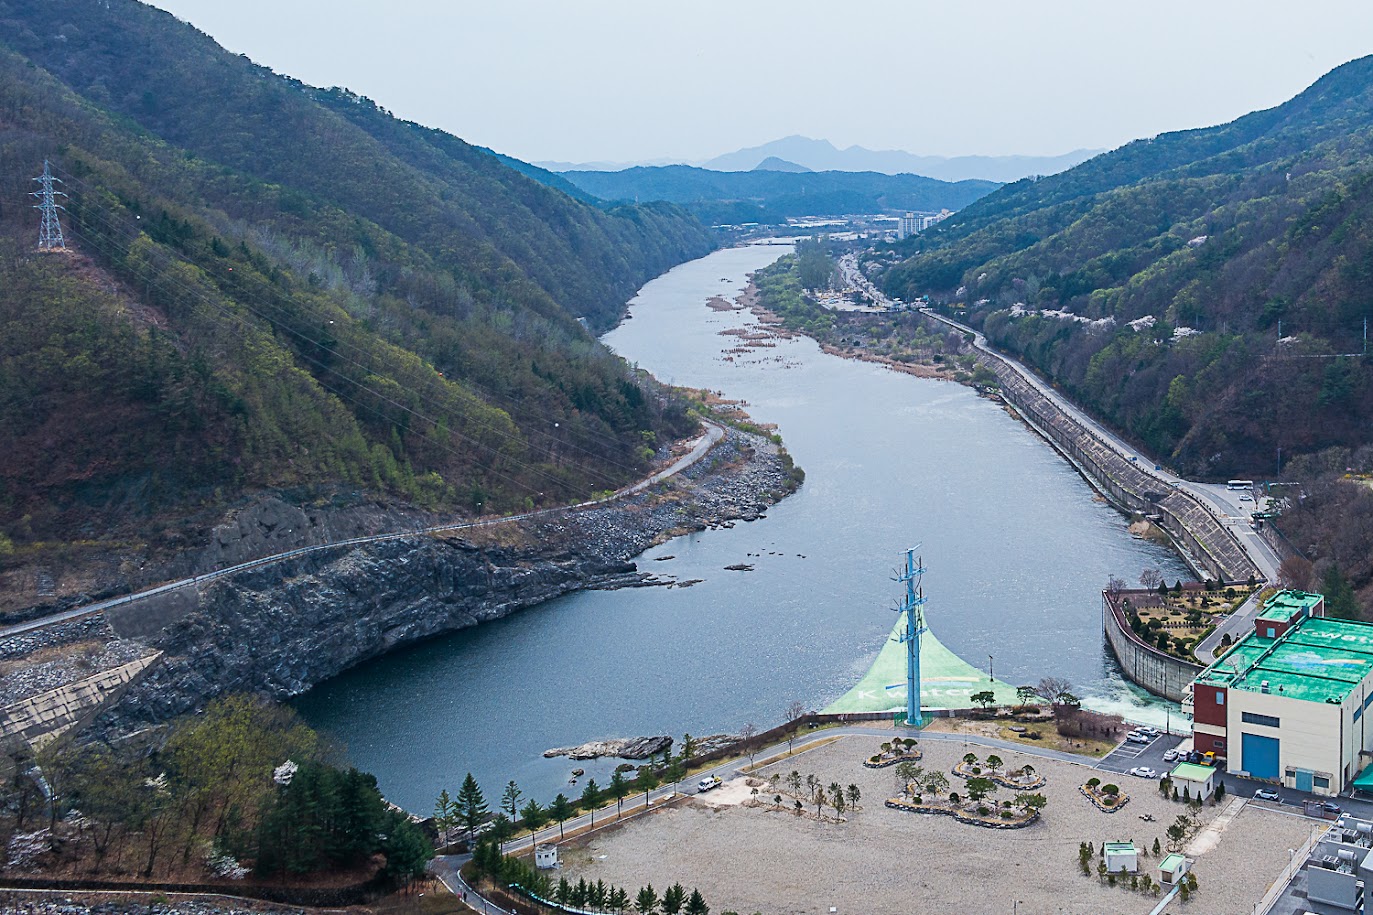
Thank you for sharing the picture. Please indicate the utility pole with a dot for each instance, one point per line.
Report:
(915, 627)
(50, 231)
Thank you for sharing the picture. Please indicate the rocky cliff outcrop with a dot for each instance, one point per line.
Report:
(282, 628)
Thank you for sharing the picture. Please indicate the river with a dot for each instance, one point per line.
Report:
(1017, 546)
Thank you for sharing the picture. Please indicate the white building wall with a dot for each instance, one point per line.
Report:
(1308, 733)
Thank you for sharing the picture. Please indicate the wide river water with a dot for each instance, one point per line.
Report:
(1017, 546)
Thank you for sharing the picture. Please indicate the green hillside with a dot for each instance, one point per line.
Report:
(1284, 201)
(276, 286)
(766, 196)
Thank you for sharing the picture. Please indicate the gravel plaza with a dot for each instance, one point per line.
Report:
(760, 859)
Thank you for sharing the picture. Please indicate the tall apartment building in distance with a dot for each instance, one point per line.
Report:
(915, 223)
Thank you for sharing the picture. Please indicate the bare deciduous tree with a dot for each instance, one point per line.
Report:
(747, 733)
(1050, 688)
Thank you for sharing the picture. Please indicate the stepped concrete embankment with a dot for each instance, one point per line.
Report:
(1205, 542)
(1208, 546)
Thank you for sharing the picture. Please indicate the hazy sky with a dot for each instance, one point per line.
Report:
(641, 79)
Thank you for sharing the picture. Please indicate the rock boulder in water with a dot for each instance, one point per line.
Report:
(624, 748)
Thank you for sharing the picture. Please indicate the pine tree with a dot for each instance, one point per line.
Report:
(647, 901)
(591, 799)
(445, 816)
(696, 905)
(510, 801)
(561, 810)
(1340, 602)
(471, 805)
(619, 787)
(673, 898)
(534, 815)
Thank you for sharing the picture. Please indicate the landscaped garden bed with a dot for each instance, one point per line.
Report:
(987, 817)
(897, 751)
(1023, 779)
(1108, 798)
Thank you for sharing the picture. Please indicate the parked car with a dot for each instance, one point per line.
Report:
(1331, 807)
(1139, 738)
(1170, 755)
(1144, 772)
(708, 783)
(1267, 794)
(1146, 729)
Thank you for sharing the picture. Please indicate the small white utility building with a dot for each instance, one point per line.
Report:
(1121, 858)
(1173, 869)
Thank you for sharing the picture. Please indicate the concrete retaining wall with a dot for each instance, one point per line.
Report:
(1209, 546)
(1159, 673)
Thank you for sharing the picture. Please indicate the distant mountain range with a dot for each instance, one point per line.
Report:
(797, 153)
(776, 190)
(824, 156)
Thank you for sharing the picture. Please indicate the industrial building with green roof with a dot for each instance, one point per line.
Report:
(1286, 703)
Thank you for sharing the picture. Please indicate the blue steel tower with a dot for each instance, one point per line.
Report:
(915, 627)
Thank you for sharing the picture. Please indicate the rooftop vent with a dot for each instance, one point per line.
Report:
(1263, 687)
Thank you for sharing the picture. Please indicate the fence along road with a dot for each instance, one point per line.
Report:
(708, 439)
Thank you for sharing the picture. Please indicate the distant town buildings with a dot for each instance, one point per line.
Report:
(915, 223)
(929, 220)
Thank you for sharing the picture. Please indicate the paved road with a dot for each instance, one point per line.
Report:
(1235, 625)
(1232, 515)
(713, 434)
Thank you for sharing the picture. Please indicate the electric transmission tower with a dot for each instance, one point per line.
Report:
(50, 231)
(913, 606)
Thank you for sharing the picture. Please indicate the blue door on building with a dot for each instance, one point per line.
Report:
(1260, 755)
(1304, 779)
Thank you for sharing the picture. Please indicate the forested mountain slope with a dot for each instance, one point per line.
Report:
(1150, 281)
(771, 196)
(275, 286)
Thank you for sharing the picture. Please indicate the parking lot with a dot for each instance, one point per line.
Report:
(1129, 755)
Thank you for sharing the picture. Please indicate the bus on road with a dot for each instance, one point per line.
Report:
(1240, 484)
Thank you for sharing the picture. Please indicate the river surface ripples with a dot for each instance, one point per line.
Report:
(1017, 546)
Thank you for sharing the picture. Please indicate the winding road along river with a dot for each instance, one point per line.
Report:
(1017, 545)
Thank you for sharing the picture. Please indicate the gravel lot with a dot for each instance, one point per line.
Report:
(881, 860)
